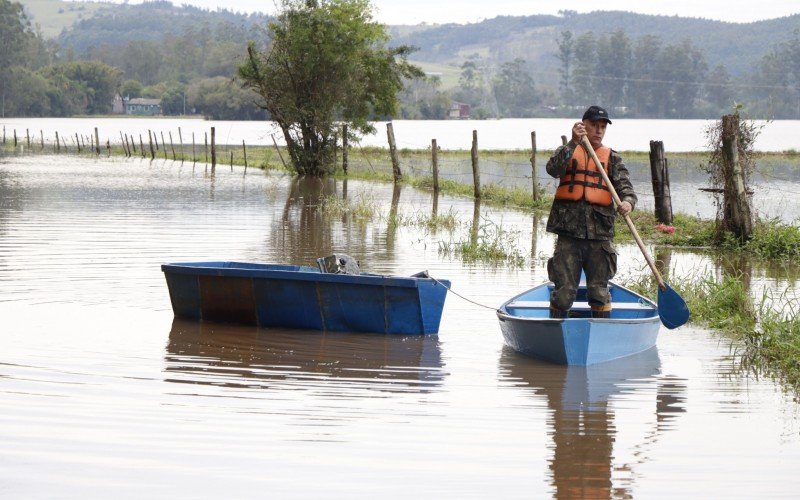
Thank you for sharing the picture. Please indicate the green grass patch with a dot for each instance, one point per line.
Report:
(490, 244)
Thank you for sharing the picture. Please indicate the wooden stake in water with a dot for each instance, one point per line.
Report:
(172, 146)
(97, 140)
(279, 152)
(164, 144)
(194, 157)
(180, 138)
(476, 173)
(152, 151)
(213, 150)
(398, 175)
(41, 136)
(435, 165)
(58, 144)
(534, 181)
(244, 152)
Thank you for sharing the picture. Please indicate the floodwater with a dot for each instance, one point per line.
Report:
(623, 135)
(105, 394)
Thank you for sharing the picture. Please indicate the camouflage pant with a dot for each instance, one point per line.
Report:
(596, 258)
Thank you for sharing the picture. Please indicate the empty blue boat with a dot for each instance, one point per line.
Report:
(579, 339)
(287, 296)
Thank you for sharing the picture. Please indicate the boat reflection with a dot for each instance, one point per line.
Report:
(583, 420)
(245, 357)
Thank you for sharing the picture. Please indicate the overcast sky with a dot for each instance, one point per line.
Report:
(465, 11)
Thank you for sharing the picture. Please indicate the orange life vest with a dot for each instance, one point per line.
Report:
(582, 180)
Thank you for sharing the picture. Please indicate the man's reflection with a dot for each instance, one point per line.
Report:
(582, 420)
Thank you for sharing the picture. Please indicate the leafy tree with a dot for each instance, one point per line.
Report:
(719, 89)
(131, 88)
(644, 91)
(681, 70)
(27, 93)
(15, 34)
(99, 80)
(585, 68)
(220, 98)
(173, 99)
(514, 90)
(565, 55)
(327, 61)
(613, 63)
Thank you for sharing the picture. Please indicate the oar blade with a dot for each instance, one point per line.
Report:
(672, 309)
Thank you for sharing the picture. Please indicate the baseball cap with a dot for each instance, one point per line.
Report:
(595, 113)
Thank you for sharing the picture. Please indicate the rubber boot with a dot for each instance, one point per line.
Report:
(557, 313)
(601, 312)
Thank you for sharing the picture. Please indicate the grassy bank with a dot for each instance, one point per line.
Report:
(765, 331)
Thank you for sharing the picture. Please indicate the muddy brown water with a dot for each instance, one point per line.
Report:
(104, 393)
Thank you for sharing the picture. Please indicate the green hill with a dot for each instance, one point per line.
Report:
(53, 16)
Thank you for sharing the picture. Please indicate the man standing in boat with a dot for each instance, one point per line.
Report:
(583, 216)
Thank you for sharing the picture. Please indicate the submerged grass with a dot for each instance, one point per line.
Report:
(490, 244)
(765, 332)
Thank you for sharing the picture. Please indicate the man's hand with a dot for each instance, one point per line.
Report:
(624, 208)
(578, 132)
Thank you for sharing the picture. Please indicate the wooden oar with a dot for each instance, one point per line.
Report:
(672, 308)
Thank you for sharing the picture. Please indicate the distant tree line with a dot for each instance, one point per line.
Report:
(187, 58)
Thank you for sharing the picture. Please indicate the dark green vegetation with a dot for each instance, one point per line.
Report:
(327, 64)
(647, 66)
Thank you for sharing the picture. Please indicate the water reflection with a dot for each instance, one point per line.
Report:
(582, 419)
(242, 357)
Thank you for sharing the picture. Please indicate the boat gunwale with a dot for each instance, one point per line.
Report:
(303, 273)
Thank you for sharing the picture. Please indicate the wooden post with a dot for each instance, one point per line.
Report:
(28, 138)
(58, 144)
(41, 136)
(279, 152)
(244, 152)
(163, 145)
(660, 176)
(97, 141)
(124, 145)
(194, 157)
(78, 141)
(398, 175)
(108, 147)
(213, 150)
(534, 181)
(476, 173)
(206, 146)
(132, 143)
(231, 160)
(564, 140)
(172, 145)
(141, 145)
(152, 150)
(435, 165)
(345, 146)
(15, 139)
(180, 138)
(737, 213)
(4, 135)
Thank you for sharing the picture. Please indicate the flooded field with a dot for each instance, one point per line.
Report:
(104, 393)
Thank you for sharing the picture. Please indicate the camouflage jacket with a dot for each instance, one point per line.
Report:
(579, 219)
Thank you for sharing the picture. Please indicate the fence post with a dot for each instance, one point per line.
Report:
(398, 175)
(194, 157)
(534, 181)
(152, 151)
(41, 136)
(476, 173)
(213, 150)
(172, 145)
(58, 144)
(78, 142)
(659, 173)
(97, 141)
(345, 145)
(435, 165)
(164, 144)
(180, 138)
(279, 151)
(205, 148)
(244, 152)
(28, 137)
(737, 215)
